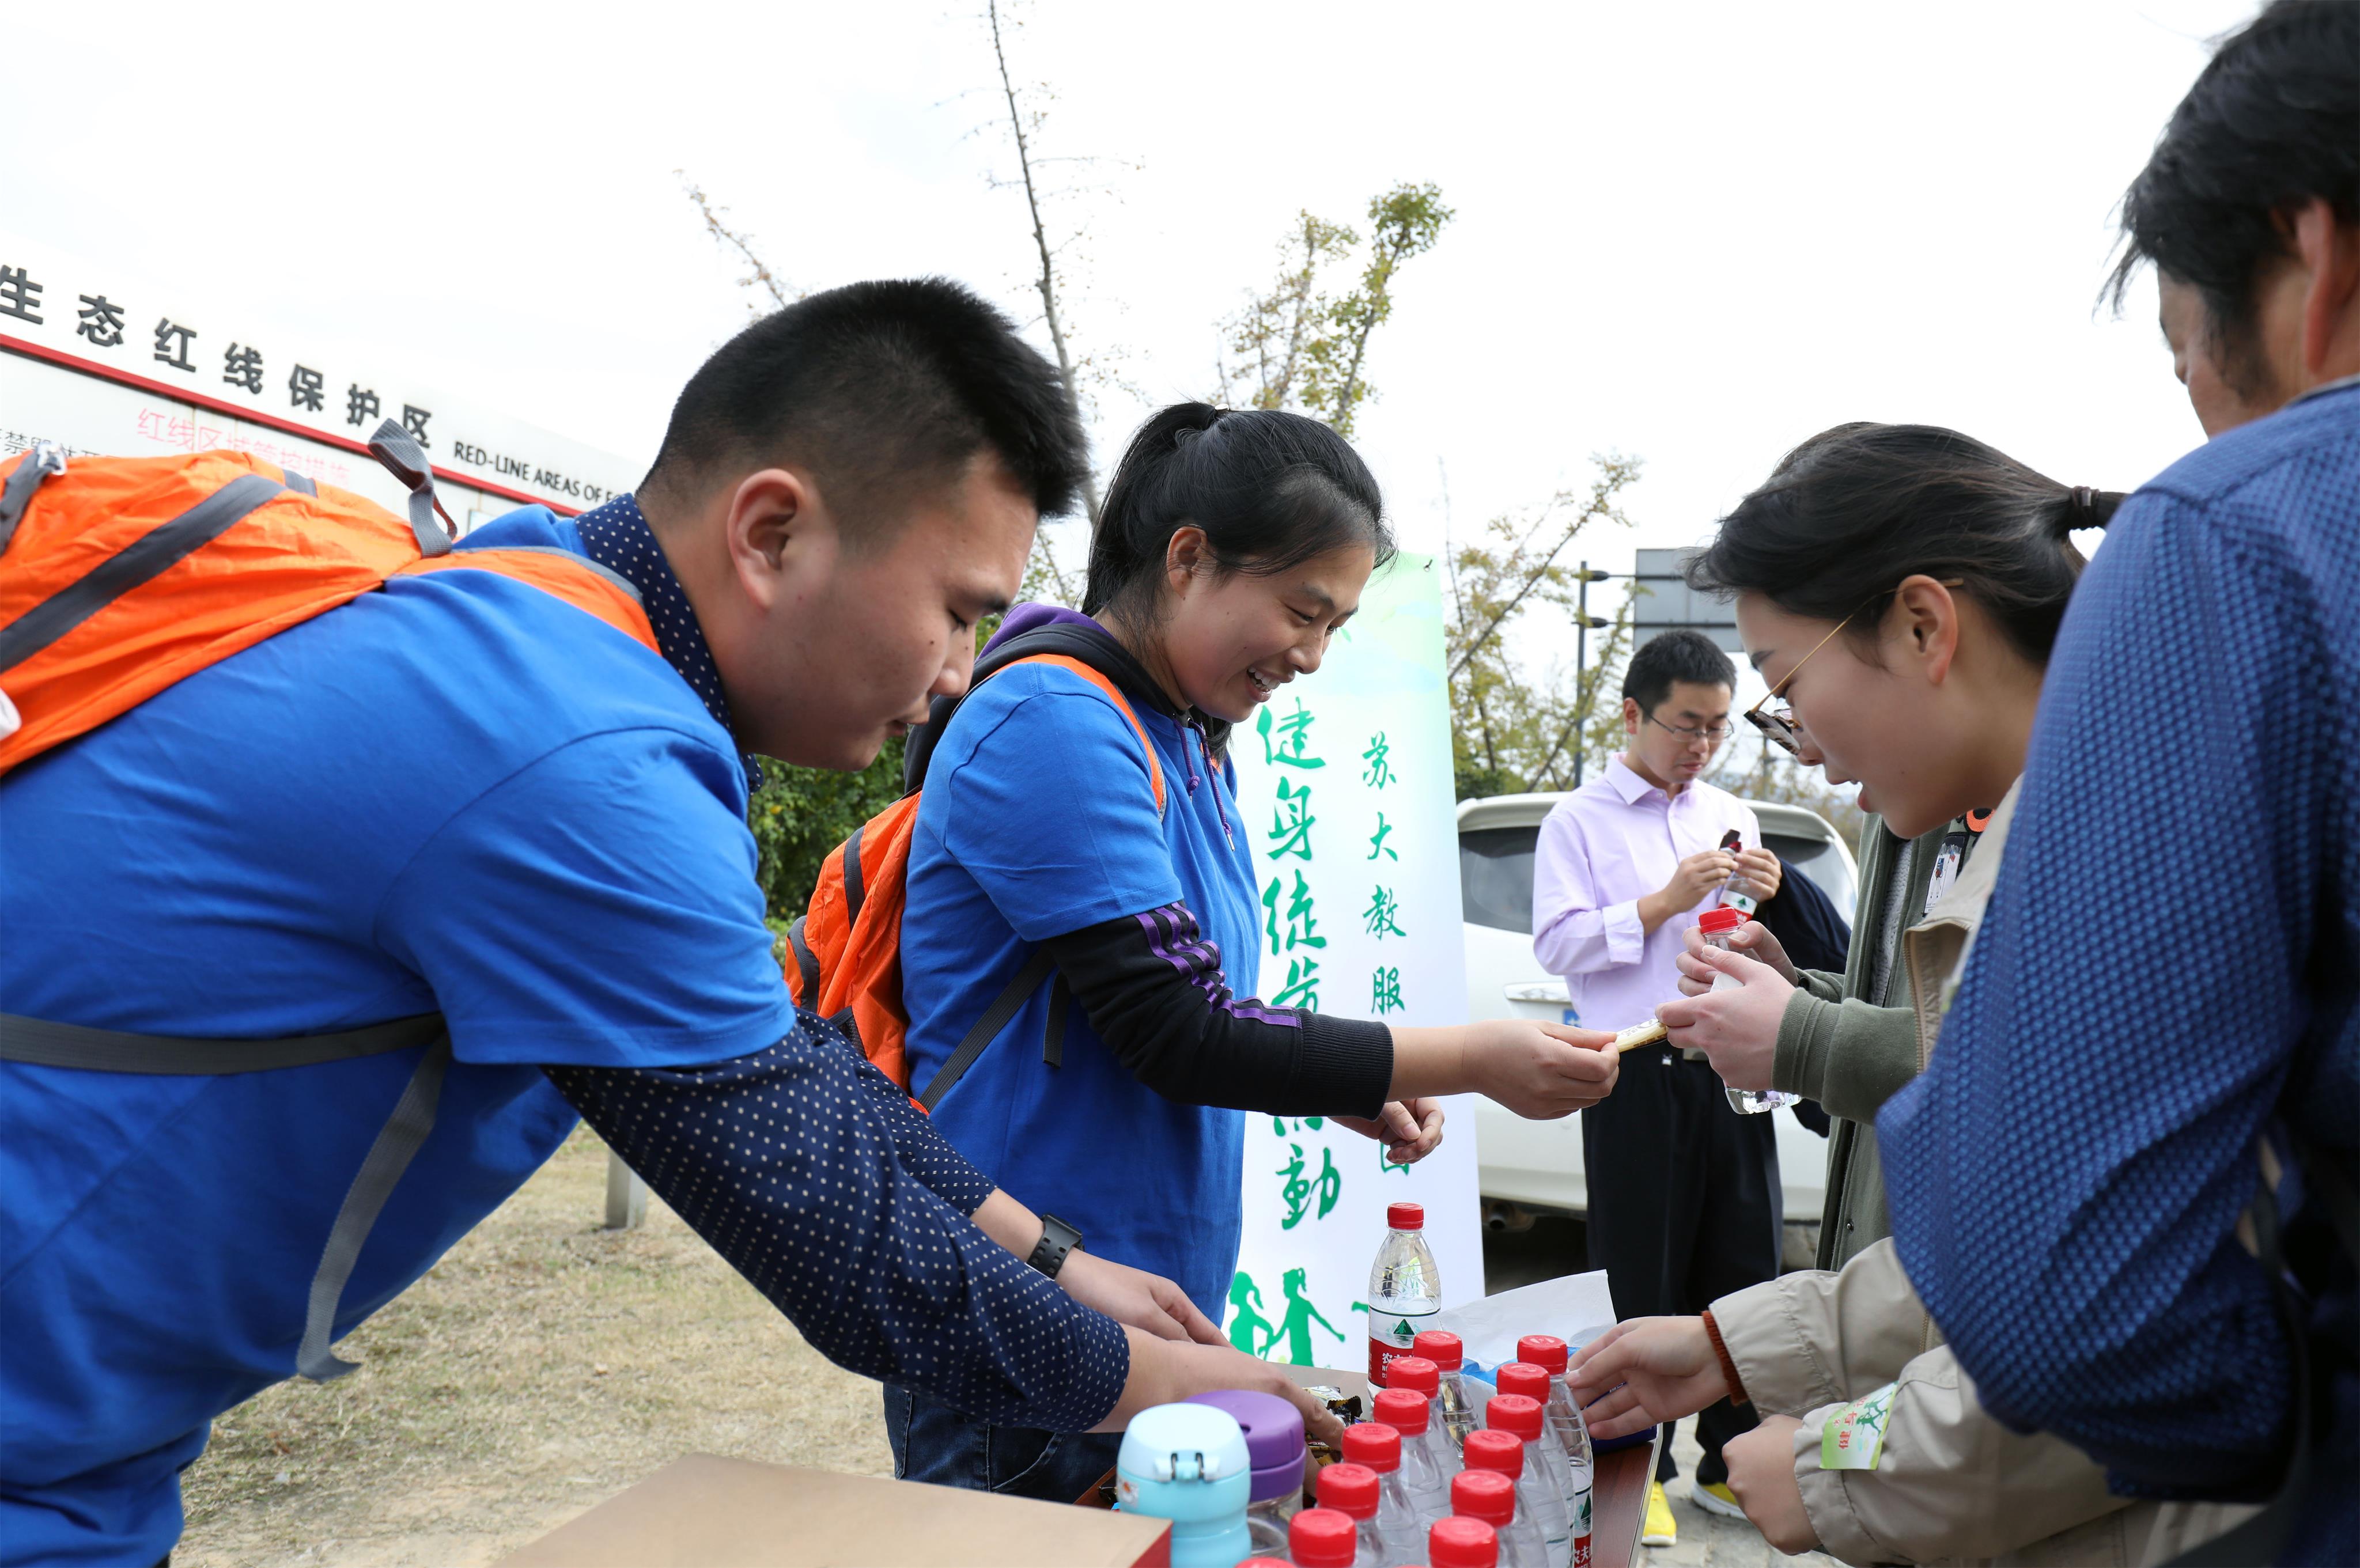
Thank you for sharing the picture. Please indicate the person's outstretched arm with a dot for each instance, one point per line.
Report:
(2161, 951)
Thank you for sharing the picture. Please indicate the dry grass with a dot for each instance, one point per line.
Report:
(543, 1366)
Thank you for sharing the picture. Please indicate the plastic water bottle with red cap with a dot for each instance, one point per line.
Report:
(1325, 1538)
(1405, 1289)
(1462, 1543)
(1453, 1404)
(1357, 1491)
(1426, 1474)
(1485, 1492)
(1564, 1415)
(1531, 1380)
(1519, 1415)
(1378, 1446)
(1719, 926)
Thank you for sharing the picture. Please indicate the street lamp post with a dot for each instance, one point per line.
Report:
(1582, 621)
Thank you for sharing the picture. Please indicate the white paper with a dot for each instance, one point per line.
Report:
(1576, 1308)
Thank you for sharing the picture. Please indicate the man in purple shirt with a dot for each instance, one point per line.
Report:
(1684, 1200)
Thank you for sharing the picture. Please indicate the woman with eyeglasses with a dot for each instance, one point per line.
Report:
(1900, 587)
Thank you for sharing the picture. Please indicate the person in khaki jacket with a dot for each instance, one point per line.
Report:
(1900, 587)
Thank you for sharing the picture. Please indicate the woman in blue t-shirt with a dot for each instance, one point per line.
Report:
(1233, 544)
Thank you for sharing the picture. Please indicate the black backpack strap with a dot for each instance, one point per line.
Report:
(1004, 1006)
(853, 891)
(806, 964)
(1052, 1039)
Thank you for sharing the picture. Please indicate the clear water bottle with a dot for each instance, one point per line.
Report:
(1490, 1495)
(1462, 1543)
(1354, 1491)
(1452, 1401)
(1719, 926)
(1424, 1473)
(1402, 1532)
(1323, 1538)
(1519, 1415)
(1738, 892)
(1563, 1413)
(1404, 1290)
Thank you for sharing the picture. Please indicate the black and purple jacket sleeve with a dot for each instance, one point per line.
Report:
(1153, 988)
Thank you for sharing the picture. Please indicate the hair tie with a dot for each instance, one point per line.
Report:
(2082, 507)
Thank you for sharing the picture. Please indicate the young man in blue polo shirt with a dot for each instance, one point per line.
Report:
(461, 796)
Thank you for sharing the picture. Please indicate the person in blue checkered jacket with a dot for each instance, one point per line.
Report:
(2160, 1017)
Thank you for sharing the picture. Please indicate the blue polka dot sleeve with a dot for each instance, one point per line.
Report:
(2169, 959)
(811, 1173)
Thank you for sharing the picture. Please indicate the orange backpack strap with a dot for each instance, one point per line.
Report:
(1113, 694)
(576, 579)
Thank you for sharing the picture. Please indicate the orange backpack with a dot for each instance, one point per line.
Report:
(847, 949)
(120, 576)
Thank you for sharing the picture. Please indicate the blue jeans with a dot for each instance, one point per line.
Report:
(933, 1443)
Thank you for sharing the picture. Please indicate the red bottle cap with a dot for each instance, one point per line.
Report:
(1485, 1495)
(1514, 1413)
(1415, 1372)
(1374, 1445)
(1546, 1351)
(1349, 1488)
(1526, 1378)
(1492, 1449)
(1462, 1543)
(1723, 918)
(1405, 1409)
(1322, 1538)
(1405, 1216)
(1441, 1347)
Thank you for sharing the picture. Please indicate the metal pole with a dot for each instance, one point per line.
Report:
(1580, 660)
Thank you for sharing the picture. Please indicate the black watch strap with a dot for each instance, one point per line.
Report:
(1057, 1239)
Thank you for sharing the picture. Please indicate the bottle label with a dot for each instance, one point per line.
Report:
(1391, 1337)
(1580, 1529)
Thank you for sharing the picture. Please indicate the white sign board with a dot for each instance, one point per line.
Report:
(105, 363)
(1344, 783)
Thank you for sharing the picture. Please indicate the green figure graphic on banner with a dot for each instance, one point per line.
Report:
(1290, 822)
(1383, 915)
(1377, 844)
(1379, 756)
(1384, 986)
(1328, 1185)
(1293, 735)
(1245, 1321)
(1300, 1316)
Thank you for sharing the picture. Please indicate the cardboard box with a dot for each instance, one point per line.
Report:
(705, 1512)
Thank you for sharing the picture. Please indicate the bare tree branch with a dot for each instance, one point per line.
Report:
(735, 240)
(1041, 241)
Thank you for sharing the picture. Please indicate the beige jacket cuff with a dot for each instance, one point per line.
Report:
(1816, 1338)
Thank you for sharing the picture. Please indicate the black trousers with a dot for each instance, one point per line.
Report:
(1684, 1207)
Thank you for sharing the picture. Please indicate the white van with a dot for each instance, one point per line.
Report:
(1538, 1165)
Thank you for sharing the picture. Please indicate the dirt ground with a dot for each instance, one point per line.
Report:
(469, 1431)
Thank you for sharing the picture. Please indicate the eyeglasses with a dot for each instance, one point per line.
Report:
(1780, 728)
(1714, 736)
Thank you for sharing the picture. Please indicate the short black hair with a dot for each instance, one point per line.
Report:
(1845, 516)
(2273, 122)
(1675, 656)
(1270, 489)
(881, 390)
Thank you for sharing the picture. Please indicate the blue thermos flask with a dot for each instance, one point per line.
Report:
(1188, 1463)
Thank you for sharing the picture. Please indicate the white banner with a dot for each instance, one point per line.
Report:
(107, 362)
(1344, 783)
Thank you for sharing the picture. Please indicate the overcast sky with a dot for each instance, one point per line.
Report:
(1693, 232)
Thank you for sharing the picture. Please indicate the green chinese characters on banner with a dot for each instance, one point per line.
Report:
(1344, 784)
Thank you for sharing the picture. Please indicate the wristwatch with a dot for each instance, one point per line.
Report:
(1057, 1239)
